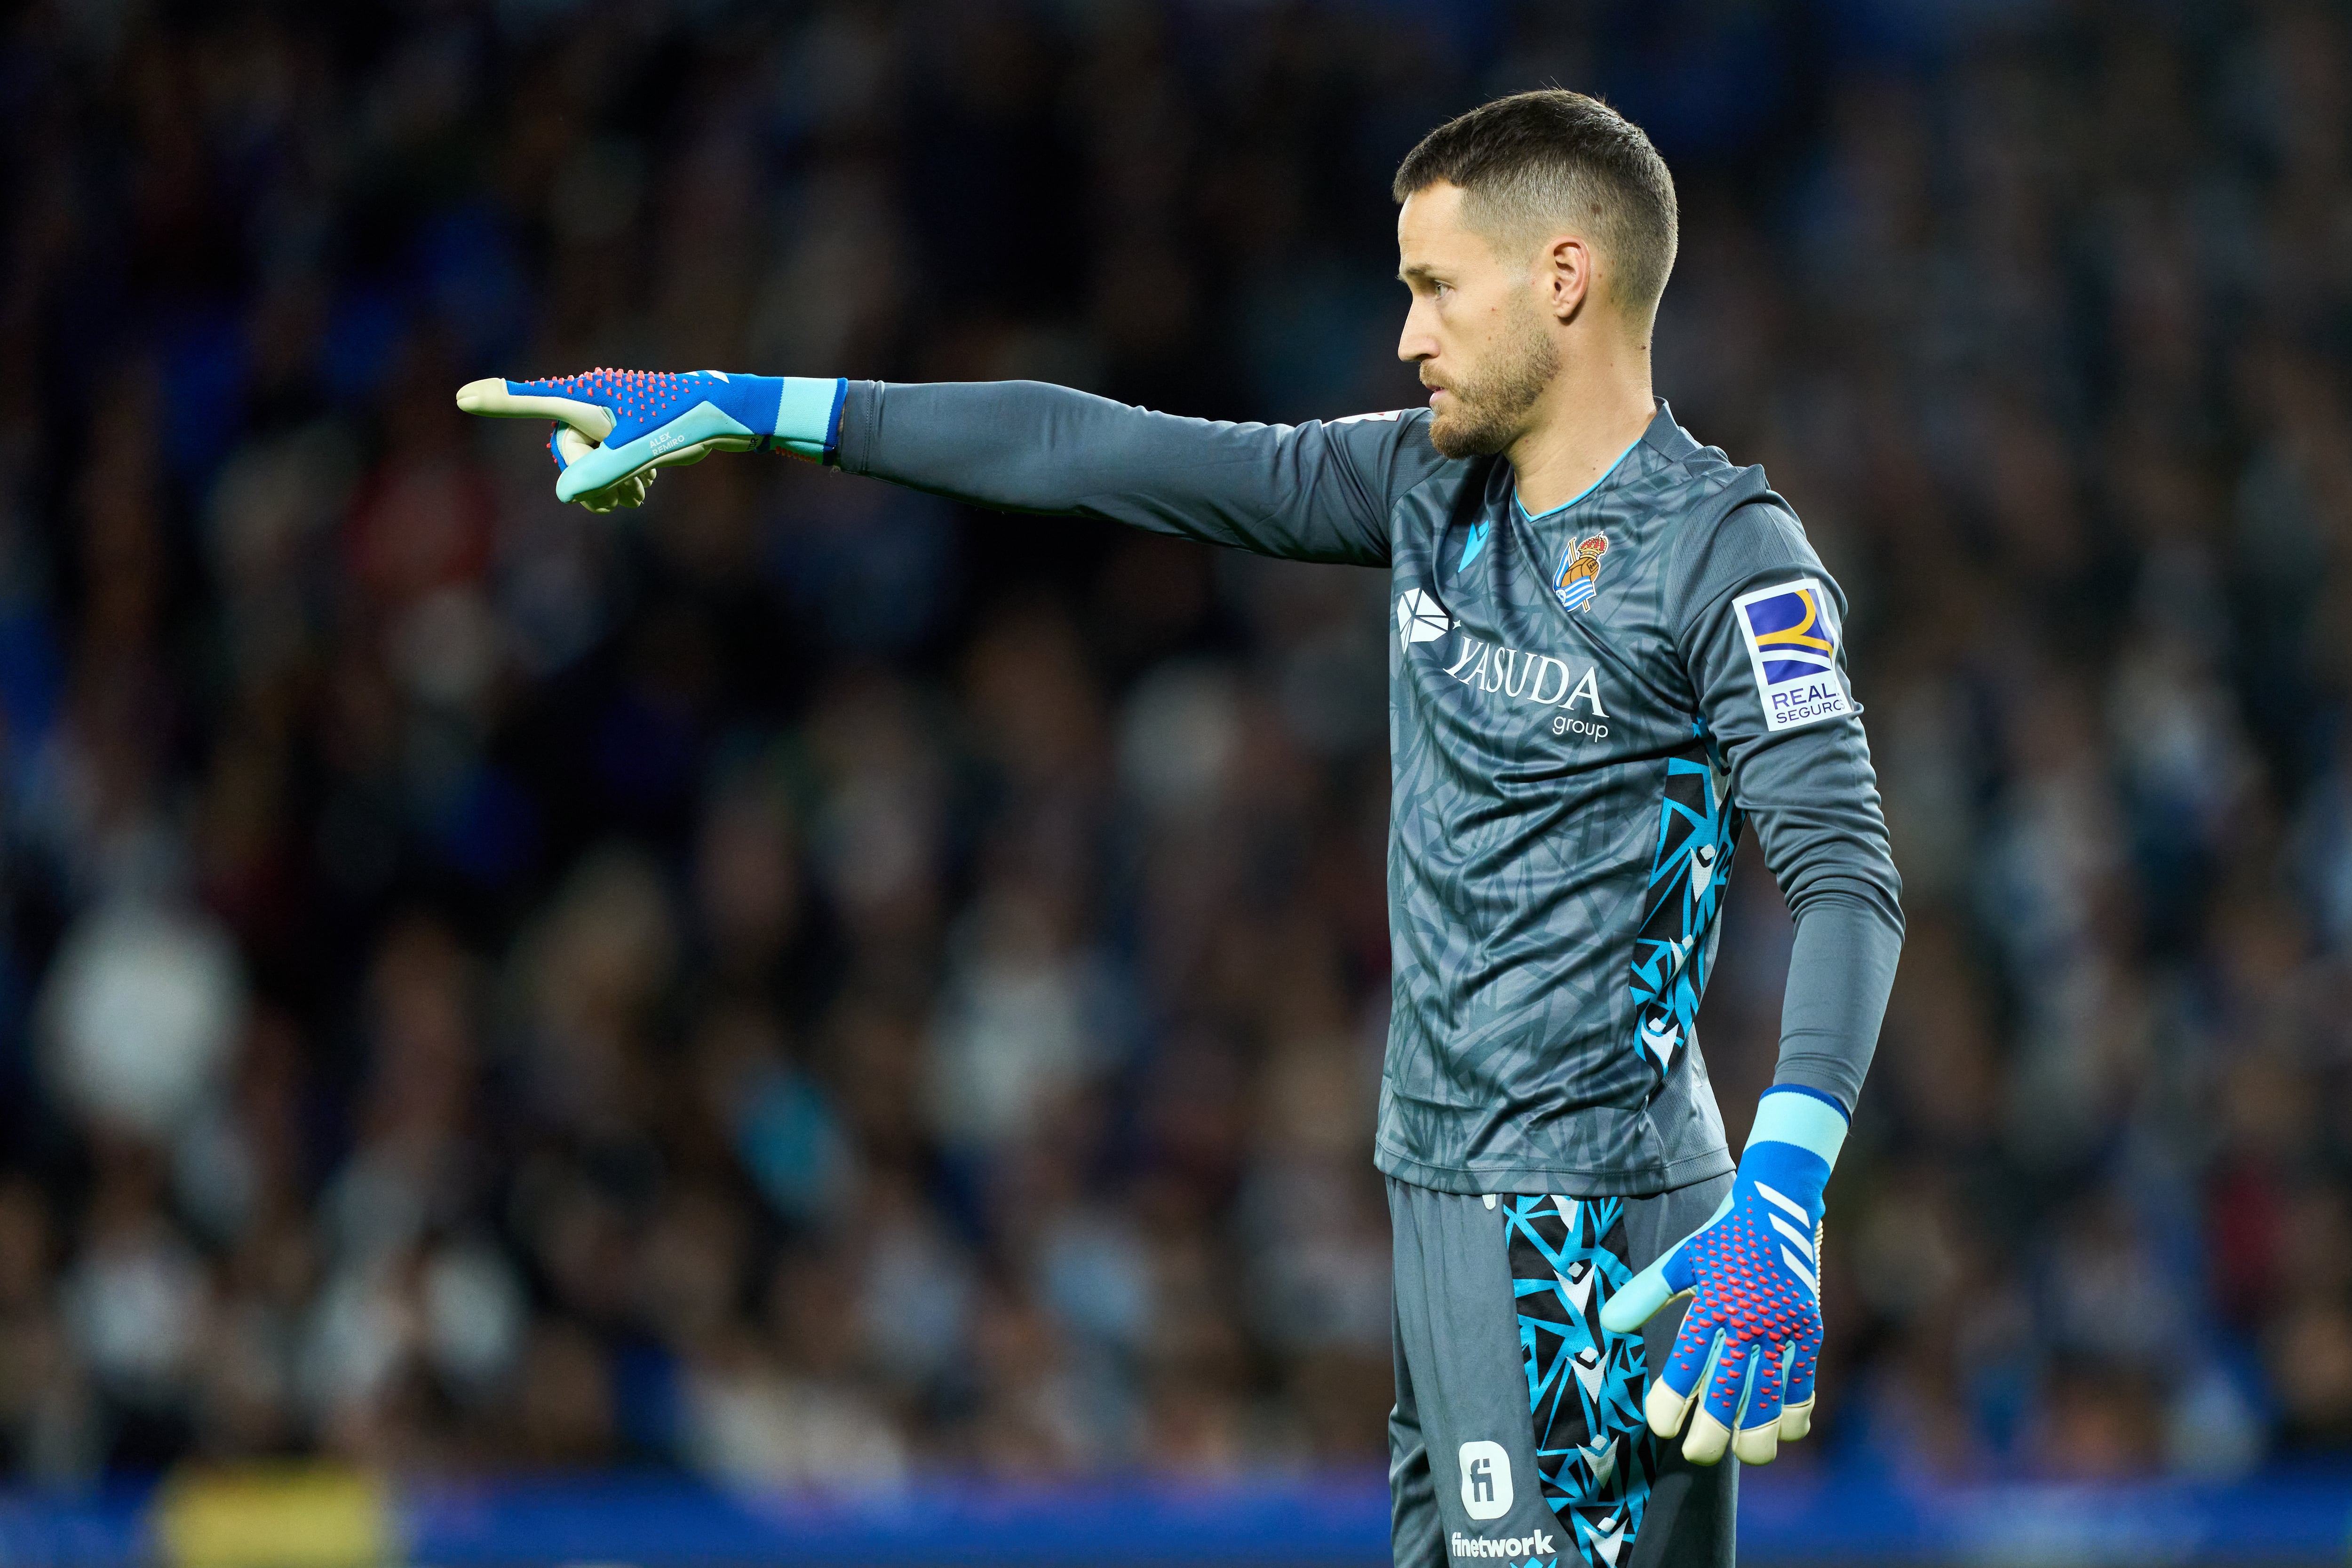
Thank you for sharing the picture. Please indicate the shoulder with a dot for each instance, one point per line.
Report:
(1701, 484)
(1393, 454)
(1734, 531)
(1688, 490)
(1394, 449)
(1744, 517)
(1400, 430)
(1400, 417)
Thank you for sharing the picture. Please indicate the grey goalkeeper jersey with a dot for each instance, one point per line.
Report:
(1581, 705)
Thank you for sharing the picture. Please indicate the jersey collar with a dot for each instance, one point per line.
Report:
(1669, 439)
(1554, 511)
(1661, 432)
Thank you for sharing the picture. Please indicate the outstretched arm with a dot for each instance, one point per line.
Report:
(1314, 491)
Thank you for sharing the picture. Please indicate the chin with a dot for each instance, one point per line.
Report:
(1459, 438)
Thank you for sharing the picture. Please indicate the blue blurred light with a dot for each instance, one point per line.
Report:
(1786, 1516)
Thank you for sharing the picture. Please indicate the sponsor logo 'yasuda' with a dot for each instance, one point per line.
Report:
(1534, 678)
(1792, 643)
(1514, 674)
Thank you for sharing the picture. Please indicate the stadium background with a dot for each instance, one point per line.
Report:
(806, 985)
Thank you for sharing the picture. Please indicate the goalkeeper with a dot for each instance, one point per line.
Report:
(1611, 647)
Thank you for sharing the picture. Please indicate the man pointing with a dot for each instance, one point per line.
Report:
(1611, 646)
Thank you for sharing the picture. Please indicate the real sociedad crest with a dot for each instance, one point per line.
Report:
(1579, 574)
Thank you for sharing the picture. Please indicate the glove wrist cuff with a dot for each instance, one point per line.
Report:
(808, 412)
(1792, 1114)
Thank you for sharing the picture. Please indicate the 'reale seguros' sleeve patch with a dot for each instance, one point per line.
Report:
(1792, 643)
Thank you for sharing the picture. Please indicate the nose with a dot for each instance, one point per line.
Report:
(1417, 342)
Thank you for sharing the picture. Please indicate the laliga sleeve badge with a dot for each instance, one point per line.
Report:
(1792, 642)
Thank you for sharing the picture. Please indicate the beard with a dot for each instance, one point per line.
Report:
(1490, 406)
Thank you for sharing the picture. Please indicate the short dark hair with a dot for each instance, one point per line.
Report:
(1535, 160)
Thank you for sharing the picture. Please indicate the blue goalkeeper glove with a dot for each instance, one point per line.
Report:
(1751, 1343)
(615, 427)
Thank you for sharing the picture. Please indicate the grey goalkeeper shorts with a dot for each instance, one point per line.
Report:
(1517, 1435)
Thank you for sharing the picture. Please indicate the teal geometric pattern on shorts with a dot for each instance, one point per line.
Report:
(1594, 1453)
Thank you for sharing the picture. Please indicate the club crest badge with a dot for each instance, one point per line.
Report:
(1579, 574)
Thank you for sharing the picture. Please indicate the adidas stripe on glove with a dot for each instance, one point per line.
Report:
(1741, 1370)
(615, 427)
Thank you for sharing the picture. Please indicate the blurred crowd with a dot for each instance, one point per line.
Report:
(805, 984)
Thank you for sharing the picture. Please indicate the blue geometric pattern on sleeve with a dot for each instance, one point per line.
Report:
(1674, 949)
(1594, 1453)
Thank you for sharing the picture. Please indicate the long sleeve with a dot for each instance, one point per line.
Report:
(1316, 491)
(1762, 641)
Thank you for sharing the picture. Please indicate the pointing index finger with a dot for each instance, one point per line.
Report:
(492, 398)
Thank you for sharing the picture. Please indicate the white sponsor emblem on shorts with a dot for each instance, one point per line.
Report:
(1485, 1480)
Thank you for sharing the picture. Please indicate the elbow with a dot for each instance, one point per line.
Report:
(1877, 893)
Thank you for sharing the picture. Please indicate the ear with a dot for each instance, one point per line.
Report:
(1564, 271)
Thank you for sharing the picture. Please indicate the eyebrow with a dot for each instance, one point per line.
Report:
(1407, 274)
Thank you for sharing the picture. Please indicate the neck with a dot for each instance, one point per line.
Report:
(1596, 407)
